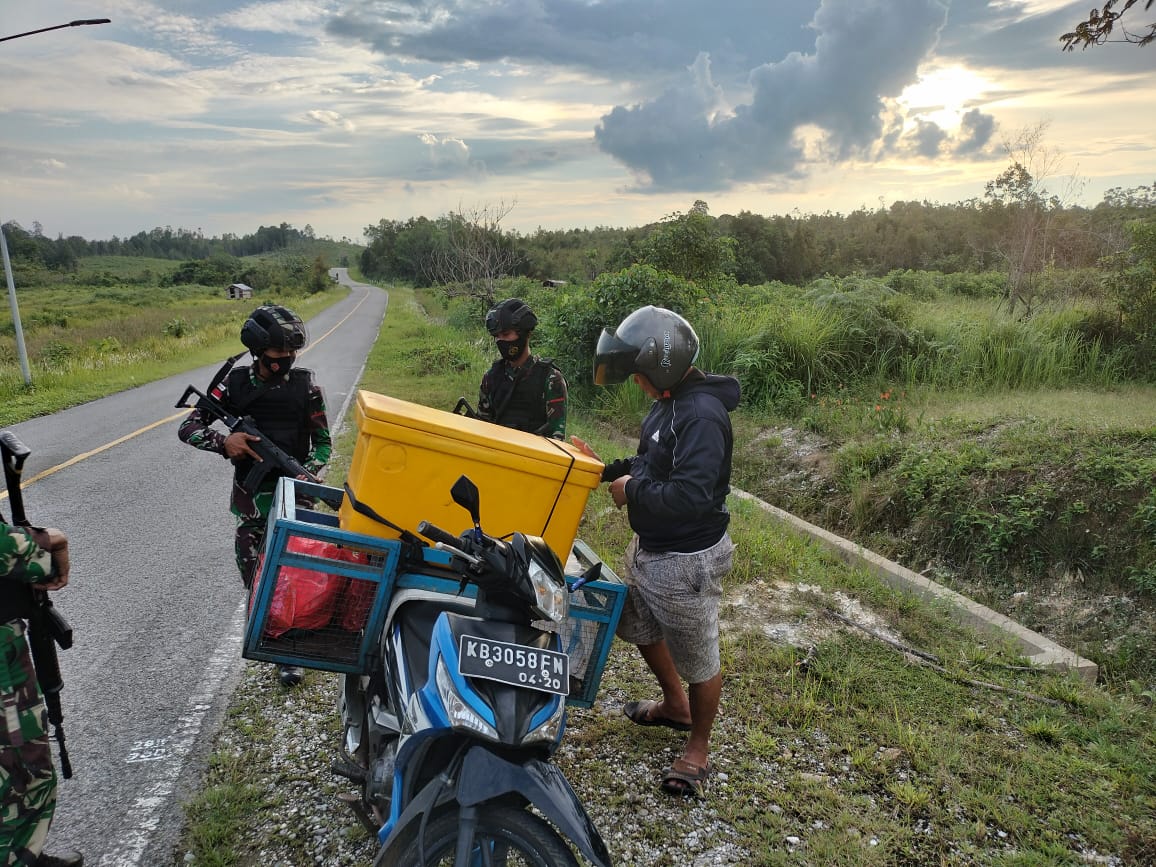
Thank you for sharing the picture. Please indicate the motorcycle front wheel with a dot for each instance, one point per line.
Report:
(505, 837)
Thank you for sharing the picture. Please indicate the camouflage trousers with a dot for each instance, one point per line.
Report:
(27, 776)
(252, 514)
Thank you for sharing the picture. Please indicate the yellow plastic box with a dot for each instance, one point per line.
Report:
(408, 456)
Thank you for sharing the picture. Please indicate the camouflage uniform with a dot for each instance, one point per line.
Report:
(503, 378)
(251, 510)
(27, 776)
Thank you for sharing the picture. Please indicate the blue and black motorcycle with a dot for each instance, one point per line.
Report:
(450, 734)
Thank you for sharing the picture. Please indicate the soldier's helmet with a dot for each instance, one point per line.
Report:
(273, 327)
(653, 341)
(513, 313)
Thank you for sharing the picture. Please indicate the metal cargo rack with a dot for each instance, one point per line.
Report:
(360, 573)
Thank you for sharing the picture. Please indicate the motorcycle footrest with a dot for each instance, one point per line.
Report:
(353, 801)
(343, 767)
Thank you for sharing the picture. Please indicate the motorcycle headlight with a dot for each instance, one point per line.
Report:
(551, 600)
(460, 713)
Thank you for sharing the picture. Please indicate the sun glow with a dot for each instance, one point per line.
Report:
(942, 95)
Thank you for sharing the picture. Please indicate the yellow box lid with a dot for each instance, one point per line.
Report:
(390, 410)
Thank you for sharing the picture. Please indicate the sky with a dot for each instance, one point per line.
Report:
(220, 117)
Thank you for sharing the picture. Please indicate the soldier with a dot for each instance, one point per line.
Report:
(286, 405)
(521, 390)
(27, 777)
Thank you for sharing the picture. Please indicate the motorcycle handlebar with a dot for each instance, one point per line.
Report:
(458, 552)
(428, 530)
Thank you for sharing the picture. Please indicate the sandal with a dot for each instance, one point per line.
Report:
(684, 779)
(638, 712)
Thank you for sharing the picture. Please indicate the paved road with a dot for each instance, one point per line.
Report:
(155, 601)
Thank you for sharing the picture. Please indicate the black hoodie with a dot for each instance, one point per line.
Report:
(680, 478)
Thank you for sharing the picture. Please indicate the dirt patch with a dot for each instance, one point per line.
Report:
(792, 614)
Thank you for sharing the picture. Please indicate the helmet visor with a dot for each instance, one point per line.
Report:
(614, 359)
(293, 335)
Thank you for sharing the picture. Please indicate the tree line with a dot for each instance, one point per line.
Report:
(1015, 218)
(32, 246)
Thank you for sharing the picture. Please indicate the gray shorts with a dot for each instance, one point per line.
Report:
(674, 598)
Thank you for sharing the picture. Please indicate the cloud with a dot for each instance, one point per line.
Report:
(975, 132)
(330, 119)
(866, 51)
(640, 39)
(279, 16)
(928, 138)
(448, 155)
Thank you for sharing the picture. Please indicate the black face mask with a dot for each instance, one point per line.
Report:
(277, 366)
(511, 350)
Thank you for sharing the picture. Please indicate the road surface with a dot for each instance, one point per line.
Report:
(155, 601)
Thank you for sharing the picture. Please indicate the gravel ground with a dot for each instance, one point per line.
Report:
(641, 825)
(286, 739)
(311, 826)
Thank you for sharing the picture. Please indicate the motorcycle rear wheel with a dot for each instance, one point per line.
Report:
(513, 838)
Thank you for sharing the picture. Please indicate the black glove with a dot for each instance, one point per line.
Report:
(614, 469)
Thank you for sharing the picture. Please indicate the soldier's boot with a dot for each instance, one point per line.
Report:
(291, 675)
(61, 859)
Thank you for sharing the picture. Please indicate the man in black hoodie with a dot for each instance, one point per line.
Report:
(675, 490)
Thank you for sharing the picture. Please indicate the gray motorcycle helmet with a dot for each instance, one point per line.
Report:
(653, 341)
(273, 327)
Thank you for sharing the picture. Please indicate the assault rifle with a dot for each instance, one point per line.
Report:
(46, 626)
(271, 456)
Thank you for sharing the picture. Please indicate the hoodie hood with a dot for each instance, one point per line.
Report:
(725, 388)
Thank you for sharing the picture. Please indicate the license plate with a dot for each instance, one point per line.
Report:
(514, 664)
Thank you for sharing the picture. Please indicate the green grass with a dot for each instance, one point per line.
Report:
(831, 747)
(85, 341)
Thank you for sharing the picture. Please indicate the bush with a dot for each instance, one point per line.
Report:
(178, 328)
(570, 327)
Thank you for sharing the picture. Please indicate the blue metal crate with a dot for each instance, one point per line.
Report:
(594, 611)
(362, 573)
(353, 573)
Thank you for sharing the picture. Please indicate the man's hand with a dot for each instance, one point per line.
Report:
(584, 448)
(56, 543)
(618, 490)
(237, 446)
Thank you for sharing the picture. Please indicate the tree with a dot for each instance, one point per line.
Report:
(1020, 199)
(318, 276)
(1100, 24)
(690, 246)
(1131, 282)
(476, 252)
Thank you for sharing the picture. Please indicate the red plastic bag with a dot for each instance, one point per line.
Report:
(359, 595)
(303, 598)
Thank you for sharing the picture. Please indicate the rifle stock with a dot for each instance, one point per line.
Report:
(272, 457)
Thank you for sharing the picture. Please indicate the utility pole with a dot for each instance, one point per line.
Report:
(20, 350)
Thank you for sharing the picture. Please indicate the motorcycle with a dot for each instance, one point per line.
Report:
(449, 735)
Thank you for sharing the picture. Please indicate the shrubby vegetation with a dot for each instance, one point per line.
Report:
(843, 328)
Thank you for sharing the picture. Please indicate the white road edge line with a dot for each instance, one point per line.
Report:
(146, 812)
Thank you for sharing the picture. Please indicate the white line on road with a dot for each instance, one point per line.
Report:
(147, 810)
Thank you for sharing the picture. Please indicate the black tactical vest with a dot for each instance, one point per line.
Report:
(280, 411)
(524, 409)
